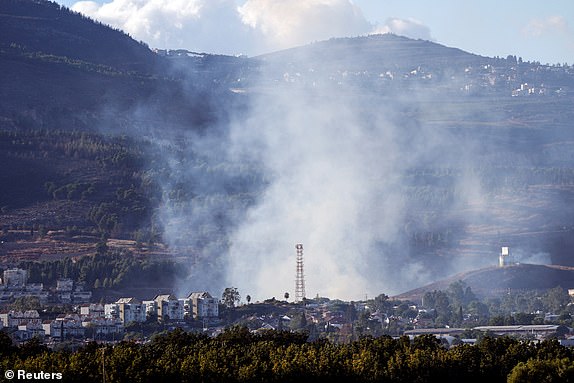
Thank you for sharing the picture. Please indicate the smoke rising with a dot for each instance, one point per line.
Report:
(390, 174)
(337, 161)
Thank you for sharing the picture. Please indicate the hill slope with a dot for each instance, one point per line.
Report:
(496, 281)
(45, 26)
(370, 53)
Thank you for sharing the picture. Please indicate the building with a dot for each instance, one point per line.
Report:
(15, 278)
(131, 310)
(150, 309)
(67, 293)
(126, 309)
(64, 327)
(27, 331)
(16, 318)
(169, 307)
(201, 305)
(64, 284)
(535, 330)
(98, 328)
(504, 257)
(16, 286)
(92, 310)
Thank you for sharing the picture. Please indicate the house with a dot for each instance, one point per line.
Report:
(66, 293)
(27, 331)
(80, 295)
(92, 310)
(101, 327)
(15, 318)
(201, 305)
(64, 326)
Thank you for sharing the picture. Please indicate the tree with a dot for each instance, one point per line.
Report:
(26, 303)
(533, 370)
(230, 297)
(6, 345)
(556, 299)
(381, 303)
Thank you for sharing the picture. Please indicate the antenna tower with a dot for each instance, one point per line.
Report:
(300, 279)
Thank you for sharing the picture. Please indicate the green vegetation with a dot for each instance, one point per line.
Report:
(277, 356)
(103, 176)
(106, 271)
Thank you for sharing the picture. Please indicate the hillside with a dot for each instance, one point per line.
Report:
(453, 153)
(45, 26)
(61, 70)
(494, 281)
(373, 53)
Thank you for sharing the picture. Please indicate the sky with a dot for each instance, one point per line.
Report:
(532, 29)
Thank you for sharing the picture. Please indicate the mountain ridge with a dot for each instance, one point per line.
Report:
(45, 26)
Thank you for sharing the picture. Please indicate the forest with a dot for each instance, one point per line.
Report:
(237, 355)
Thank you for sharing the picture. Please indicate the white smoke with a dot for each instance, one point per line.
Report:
(287, 23)
(335, 186)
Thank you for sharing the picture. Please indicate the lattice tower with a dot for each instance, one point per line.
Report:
(300, 278)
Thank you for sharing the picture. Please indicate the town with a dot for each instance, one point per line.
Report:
(66, 317)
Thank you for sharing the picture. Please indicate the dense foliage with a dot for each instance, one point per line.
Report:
(240, 356)
(110, 271)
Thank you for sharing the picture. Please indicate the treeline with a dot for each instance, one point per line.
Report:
(105, 271)
(277, 356)
(458, 306)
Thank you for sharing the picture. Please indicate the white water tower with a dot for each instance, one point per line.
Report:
(504, 257)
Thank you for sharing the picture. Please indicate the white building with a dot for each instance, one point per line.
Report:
(16, 318)
(150, 308)
(504, 257)
(201, 305)
(131, 310)
(169, 307)
(126, 309)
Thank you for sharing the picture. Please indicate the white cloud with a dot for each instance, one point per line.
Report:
(285, 23)
(224, 26)
(201, 25)
(551, 24)
(405, 27)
